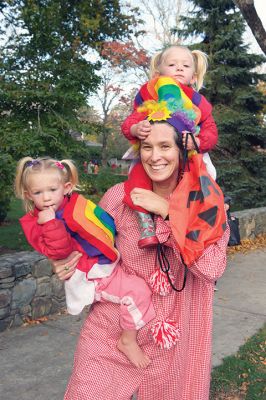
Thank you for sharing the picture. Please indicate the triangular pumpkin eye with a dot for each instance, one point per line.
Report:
(193, 235)
(209, 216)
(205, 184)
(203, 192)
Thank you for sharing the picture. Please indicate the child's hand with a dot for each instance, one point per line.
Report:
(46, 215)
(190, 144)
(141, 130)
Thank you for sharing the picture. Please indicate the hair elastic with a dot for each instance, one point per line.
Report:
(59, 165)
(31, 163)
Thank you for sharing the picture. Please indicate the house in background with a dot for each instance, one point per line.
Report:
(80, 137)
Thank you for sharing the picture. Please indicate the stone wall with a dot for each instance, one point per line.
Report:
(29, 289)
(252, 222)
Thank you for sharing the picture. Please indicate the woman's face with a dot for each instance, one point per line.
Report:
(159, 154)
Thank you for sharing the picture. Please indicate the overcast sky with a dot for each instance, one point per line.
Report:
(260, 6)
(150, 41)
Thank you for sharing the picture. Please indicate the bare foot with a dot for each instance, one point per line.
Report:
(134, 353)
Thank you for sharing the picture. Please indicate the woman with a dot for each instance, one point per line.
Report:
(182, 371)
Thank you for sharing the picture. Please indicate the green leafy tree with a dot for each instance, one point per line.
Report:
(232, 88)
(47, 70)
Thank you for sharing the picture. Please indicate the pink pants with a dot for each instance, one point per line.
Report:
(133, 295)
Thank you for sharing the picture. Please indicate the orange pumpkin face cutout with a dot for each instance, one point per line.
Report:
(196, 212)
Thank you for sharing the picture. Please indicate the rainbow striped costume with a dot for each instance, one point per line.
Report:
(91, 227)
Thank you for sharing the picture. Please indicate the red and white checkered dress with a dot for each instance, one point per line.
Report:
(182, 372)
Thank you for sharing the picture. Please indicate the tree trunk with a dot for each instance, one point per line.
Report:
(249, 12)
(104, 148)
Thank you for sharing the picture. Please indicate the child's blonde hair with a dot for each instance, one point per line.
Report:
(200, 60)
(28, 165)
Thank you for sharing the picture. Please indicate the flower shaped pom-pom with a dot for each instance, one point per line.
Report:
(155, 111)
(160, 112)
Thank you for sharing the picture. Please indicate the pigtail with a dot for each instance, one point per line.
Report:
(154, 65)
(72, 173)
(201, 65)
(19, 184)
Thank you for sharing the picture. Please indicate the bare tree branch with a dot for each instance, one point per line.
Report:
(249, 12)
(165, 15)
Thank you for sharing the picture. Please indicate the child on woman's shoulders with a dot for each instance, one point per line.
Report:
(186, 69)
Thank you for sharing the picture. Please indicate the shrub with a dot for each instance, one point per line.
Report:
(6, 184)
(106, 178)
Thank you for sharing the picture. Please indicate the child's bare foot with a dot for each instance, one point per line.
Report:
(133, 352)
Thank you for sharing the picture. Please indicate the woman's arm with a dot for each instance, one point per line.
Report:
(211, 264)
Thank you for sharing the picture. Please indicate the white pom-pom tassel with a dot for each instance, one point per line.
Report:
(159, 282)
(165, 333)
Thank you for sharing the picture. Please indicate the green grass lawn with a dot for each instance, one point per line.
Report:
(242, 376)
(11, 234)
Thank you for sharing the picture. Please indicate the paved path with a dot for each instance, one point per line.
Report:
(36, 360)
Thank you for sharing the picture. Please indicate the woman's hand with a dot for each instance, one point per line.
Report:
(64, 269)
(150, 201)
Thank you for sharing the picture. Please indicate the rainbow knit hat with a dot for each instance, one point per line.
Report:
(163, 99)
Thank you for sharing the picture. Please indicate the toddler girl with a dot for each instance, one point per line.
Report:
(186, 69)
(60, 221)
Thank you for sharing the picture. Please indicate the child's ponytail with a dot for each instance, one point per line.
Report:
(154, 65)
(201, 65)
(72, 173)
(20, 181)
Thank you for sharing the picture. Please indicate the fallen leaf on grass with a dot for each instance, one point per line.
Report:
(244, 386)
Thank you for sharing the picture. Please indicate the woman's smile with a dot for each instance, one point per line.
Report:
(158, 167)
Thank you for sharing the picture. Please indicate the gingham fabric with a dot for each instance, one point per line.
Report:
(101, 372)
